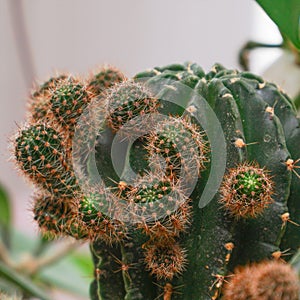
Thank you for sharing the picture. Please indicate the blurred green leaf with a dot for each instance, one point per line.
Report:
(43, 244)
(25, 284)
(83, 262)
(5, 216)
(286, 15)
(21, 243)
(73, 274)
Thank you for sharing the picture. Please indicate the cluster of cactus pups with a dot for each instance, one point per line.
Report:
(148, 237)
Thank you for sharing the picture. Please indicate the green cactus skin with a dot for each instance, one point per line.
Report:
(105, 275)
(186, 253)
(280, 105)
(122, 267)
(212, 229)
(266, 231)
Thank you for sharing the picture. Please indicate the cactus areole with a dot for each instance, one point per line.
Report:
(175, 177)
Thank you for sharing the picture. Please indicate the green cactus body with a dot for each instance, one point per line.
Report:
(266, 231)
(278, 105)
(283, 108)
(212, 229)
(151, 236)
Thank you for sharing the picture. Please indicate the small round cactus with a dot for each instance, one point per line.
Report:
(266, 280)
(54, 217)
(165, 260)
(68, 100)
(127, 101)
(39, 102)
(96, 223)
(171, 226)
(40, 151)
(154, 198)
(41, 154)
(182, 145)
(105, 78)
(246, 191)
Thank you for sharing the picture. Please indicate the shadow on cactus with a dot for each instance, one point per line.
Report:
(175, 177)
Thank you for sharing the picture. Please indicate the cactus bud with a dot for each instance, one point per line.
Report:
(246, 190)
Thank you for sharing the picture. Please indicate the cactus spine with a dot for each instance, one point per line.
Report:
(149, 238)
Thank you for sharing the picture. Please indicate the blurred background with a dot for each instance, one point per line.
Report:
(39, 37)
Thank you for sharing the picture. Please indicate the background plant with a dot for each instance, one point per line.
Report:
(285, 15)
(32, 267)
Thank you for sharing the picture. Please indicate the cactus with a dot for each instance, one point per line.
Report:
(104, 79)
(152, 233)
(266, 280)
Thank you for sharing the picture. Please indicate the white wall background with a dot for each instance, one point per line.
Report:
(134, 35)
